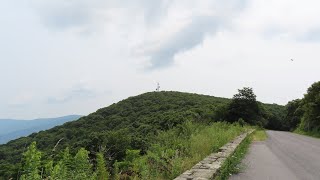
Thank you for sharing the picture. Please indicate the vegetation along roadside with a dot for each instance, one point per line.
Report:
(233, 165)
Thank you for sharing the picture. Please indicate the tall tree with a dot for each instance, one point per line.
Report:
(245, 106)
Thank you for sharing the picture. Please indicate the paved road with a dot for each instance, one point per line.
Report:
(283, 156)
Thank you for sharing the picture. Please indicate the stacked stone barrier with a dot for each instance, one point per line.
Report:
(209, 167)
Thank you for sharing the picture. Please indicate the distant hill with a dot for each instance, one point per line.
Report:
(132, 123)
(12, 129)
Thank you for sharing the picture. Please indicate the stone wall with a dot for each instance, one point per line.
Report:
(209, 167)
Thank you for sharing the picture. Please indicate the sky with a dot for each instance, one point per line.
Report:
(73, 57)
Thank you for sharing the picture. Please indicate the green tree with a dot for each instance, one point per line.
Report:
(82, 166)
(59, 172)
(67, 160)
(118, 141)
(311, 107)
(244, 105)
(294, 114)
(48, 169)
(32, 162)
(127, 166)
(102, 173)
(62, 170)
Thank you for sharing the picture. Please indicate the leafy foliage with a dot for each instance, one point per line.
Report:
(303, 115)
(102, 173)
(294, 114)
(68, 167)
(275, 116)
(245, 109)
(245, 106)
(82, 165)
(311, 107)
(31, 163)
(177, 150)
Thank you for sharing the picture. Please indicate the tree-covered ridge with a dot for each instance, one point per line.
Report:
(130, 124)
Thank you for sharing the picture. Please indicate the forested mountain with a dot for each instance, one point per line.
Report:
(12, 129)
(129, 124)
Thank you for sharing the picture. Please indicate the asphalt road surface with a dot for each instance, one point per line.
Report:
(283, 156)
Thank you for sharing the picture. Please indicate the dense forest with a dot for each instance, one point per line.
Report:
(134, 123)
(303, 115)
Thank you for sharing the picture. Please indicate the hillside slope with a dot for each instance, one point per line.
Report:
(128, 124)
(12, 129)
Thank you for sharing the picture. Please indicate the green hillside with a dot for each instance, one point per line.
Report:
(133, 123)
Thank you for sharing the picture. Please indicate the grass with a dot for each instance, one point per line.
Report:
(209, 140)
(259, 135)
(231, 165)
(175, 153)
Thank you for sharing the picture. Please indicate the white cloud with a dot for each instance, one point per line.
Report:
(291, 19)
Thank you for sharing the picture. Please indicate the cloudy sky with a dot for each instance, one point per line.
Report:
(61, 57)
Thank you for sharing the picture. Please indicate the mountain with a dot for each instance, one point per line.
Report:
(132, 123)
(12, 129)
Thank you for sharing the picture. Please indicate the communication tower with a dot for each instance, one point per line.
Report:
(158, 87)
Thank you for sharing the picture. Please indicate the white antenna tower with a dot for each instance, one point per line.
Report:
(158, 87)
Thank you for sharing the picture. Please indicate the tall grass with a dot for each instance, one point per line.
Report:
(178, 149)
(209, 140)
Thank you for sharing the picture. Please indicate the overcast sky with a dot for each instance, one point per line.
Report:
(60, 57)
